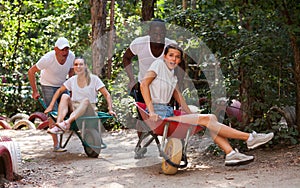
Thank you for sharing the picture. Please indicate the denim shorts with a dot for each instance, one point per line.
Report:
(48, 92)
(163, 110)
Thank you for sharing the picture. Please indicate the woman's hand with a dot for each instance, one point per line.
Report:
(153, 116)
(48, 109)
(112, 113)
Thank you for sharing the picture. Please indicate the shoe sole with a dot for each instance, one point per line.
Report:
(49, 132)
(236, 163)
(62, 128)
(261, 143)
(60, 151)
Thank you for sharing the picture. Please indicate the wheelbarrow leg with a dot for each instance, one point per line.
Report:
(139, 149)
(63, 145)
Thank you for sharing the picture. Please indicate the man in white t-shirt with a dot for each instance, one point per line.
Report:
(147, 49)
(54, 66)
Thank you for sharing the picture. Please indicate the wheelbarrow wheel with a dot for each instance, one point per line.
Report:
(38, 116)
(93, 140)
(24, 123)
(4, 124)
(173, 150)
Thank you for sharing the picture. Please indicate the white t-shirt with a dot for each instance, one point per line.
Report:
(141, 47)
(90, 91)
(52, 73)
(163, 86)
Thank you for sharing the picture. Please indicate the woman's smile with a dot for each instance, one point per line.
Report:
(172, 58)
(79, 66)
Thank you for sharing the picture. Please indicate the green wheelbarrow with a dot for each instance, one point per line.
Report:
(87, 129)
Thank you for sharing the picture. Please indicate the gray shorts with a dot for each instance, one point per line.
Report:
(48, 92)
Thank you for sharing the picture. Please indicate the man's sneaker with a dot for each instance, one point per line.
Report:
(259, 139)
(237, 158)
(58, 149)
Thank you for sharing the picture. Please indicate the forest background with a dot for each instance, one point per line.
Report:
(256, 44)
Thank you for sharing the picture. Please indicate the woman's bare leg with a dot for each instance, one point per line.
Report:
(84, 108)
(222, 143)
(220, 133)
(210, 121)
(64, 107)
(222, 130)
(54, 136)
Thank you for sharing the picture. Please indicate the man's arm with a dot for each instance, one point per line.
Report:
(31, 77)
(127, 62)
(71, 72)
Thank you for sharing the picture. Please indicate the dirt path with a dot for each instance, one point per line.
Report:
(117, 168)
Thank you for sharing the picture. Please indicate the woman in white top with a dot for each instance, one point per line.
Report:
(84, 87)
(160, 84)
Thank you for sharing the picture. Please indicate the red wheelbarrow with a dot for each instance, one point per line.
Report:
(174, 142)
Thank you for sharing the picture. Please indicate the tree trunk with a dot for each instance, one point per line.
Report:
(296, 51)
(98, 20)
(245, 98)
(148, 9)
(111, 39)
(184, 4)
(193, 4)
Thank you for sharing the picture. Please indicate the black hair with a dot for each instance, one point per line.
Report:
(176, 47)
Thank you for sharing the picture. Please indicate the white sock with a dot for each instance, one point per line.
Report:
(250, 137)
(231, 153)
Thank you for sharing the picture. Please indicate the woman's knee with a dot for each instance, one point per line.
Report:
(86, 101)
(65, 97)
(207, 119)
(213, 117)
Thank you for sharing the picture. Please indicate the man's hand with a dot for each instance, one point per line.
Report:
(35, 95)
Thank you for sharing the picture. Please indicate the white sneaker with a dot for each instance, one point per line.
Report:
(237, 159)
(259, 139)
(55, 130)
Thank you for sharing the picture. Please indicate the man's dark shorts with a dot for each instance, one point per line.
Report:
(136, 93)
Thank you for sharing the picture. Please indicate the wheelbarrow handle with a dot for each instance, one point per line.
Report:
(42, 103)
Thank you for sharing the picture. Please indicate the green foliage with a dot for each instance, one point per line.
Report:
(254, 37)
(215, 150)
(250, 37)
(123, 103)
(29, 29)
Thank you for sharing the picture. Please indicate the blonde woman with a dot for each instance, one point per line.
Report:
(84, 87)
